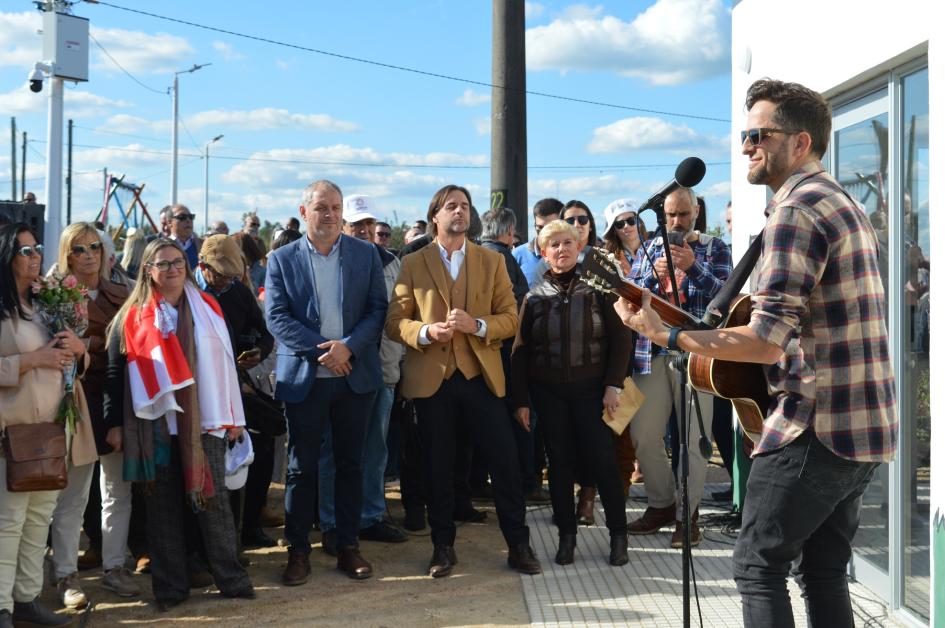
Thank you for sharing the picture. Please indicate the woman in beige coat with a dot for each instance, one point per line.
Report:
(31, 387)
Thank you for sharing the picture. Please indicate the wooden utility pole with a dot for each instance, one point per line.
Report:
(23, 168)
(509, 135)
(13, 159)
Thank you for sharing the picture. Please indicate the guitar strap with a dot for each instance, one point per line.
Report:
(717, 310)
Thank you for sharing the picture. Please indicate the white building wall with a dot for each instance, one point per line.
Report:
(832, 46)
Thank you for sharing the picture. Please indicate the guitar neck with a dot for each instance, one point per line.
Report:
(671, 315)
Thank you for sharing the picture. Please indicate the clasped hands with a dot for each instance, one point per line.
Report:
(337, 357)
(457, 320)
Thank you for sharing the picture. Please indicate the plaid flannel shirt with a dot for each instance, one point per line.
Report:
(703, 280)
(819, 296)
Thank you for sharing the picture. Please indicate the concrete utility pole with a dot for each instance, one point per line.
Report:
(206, 183)
(175, 91)
(509, 133)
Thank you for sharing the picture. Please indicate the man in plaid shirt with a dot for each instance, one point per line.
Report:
(817, 324)
(702, 265)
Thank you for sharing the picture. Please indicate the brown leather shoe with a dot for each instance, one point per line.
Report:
(652, 520)
(442, 561)
(353, 564)
(695, 534)
(522, 559)
(297, 569)
(585, 505)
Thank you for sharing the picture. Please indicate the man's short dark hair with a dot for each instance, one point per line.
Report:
(547, 207)
(798, 108)
(381, 223)
(293, 223)
(437, 202)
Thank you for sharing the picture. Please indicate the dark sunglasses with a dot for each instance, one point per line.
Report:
(27, 251)
(383, 234)
(82, 249)
(184, 216)
(619, 224)
(254, 224)
(757, 136)
(582, 220)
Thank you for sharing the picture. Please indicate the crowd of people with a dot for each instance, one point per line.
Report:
(206, 362)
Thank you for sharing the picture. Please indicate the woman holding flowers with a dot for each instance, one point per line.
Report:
(32, 364)
(82, 260)
(169, 348)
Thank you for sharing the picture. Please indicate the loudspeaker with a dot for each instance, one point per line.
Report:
(30, 213)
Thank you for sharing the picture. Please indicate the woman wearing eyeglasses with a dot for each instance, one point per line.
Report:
(170, 348)
(31, 388)
(82, 254)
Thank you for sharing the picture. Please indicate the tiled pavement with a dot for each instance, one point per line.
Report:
(648, 591)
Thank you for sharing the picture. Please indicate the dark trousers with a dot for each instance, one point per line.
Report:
(92, 517)
(469, 404)
(578, 441)
(330, 400)
(802, 510)
(412, 492)
(166, 542)
(722, 432)
(258, 479)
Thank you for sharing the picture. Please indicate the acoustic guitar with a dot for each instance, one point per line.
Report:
(741, 383)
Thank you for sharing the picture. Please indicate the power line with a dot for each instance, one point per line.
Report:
(402, 68)
(109, 132)
(119, 66)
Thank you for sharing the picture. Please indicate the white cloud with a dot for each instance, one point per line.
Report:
(671, 42)
(722, 189)
(472, 99)
(138, 51)
(583, 187)
(642, 132)
(483, 125)
(227, 52)
(533, 10)
(77, 103)
(269, 118)
(20, 45)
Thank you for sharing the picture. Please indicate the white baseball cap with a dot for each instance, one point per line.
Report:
(358, 207)
(239, 455)
(620, 206)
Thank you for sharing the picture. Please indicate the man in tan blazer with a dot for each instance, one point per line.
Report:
(452, 306)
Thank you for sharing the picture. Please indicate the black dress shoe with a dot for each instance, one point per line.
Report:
(35, 614)
(414, 519)
(257, 538)
(382, 532)
(441, 564)
(522, 559)
(566, 543)
(166, 605)
(353, 564)
(723, 496)
(618, 550)
(468, 514)
(245, 594)
(330, 542)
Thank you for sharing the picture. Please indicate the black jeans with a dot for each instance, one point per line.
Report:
(578, 442)
(469, 404)
(801, 512)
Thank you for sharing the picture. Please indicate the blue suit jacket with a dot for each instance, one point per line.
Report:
(292, 316)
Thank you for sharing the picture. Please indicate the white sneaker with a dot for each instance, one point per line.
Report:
(120, 582)
(70, 592)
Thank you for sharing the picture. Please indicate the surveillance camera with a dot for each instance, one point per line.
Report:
(36, 80)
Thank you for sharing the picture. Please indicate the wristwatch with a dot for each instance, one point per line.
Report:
(673, 334)
(479, 325)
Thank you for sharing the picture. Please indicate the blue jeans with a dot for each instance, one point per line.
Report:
(330, 402)
(373, 463)
(801, 512)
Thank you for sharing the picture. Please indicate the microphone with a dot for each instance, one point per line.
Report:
(689, 173)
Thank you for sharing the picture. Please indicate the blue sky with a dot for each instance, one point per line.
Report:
(289, 116)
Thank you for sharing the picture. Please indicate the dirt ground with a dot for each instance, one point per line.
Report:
(481, 591)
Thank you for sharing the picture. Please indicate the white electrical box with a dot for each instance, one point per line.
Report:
(66, 45)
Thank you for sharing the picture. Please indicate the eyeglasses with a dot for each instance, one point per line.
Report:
(27, 251)
(217, 274)
(619, 224)
(582, 220)
(383, 234)
(91, 249)
(163, 266)
(184, 216)
(757, 136)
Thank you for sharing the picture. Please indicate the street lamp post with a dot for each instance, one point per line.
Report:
(206, 183)
(174, 92)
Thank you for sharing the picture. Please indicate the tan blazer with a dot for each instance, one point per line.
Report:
(34, 396)
(421, 297)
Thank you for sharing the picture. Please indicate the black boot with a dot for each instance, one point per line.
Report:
(566, 543)
(35, 614)
(618, 550)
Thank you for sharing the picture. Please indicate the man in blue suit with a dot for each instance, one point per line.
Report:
(325, 305)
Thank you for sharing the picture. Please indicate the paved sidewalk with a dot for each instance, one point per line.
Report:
(648, 591)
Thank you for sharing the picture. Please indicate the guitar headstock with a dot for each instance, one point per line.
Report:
(600, 269)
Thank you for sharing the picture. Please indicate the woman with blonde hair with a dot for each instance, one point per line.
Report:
(83, 253)
(131, 254)
(170, 348)
(31, 388)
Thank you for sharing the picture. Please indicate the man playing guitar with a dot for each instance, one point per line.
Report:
(817, 323)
